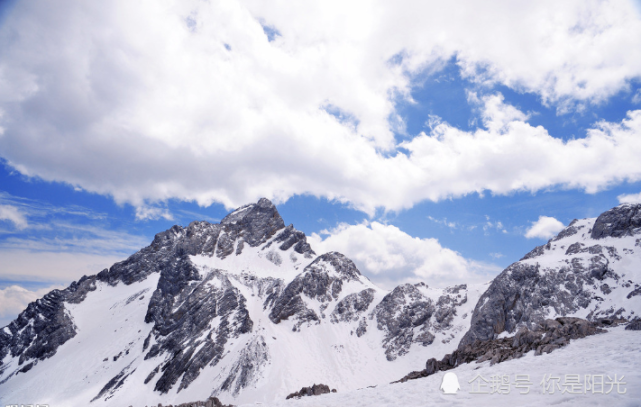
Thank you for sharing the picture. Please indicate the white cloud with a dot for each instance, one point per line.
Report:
(14, 299)
(14, 215)
(444, 222)
(630, 198)
(191, 101)
(544, 228)
(145, 212)
(498, 225)
(389, 256)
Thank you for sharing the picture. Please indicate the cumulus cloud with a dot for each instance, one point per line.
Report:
(14, 215)
(193, 101)
(389, 256)
(14, 299)
(544, 228)
(630, 198)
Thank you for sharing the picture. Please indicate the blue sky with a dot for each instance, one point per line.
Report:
(425, 145)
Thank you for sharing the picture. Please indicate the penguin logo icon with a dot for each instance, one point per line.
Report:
(450, 383)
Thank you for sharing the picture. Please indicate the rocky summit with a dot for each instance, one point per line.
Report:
(243, 310)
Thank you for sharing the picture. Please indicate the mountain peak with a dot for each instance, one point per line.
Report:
(259, 220)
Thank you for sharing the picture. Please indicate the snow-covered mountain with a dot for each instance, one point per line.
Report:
(243, 310)
(590, 270)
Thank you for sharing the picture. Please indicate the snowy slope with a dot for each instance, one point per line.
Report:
(243, 310)
(616, 352)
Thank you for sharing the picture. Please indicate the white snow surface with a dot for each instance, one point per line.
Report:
(616, 352)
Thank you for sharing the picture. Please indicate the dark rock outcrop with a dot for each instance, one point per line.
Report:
(634, 325)
(624, 220)
(178, 329)
(399, 314)
(544, 338)
(211, 402)
(315, 390)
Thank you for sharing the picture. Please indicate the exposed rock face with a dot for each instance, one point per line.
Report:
(321, 281)
(405, 310)
(408, 315)
(573, 274)
(315, 390)
(624, 220)
(181, 330)
(353, 306)
(544, 338)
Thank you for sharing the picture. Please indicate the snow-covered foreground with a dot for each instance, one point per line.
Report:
(617, 352)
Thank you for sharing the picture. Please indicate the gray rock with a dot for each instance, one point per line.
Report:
(571, 230)
(40, 329)
(636, 291)
(315, 390)
(634, 325)
(246, 369)
(352, 306)
(573, 249)
(538, 251)
(523, 293)
(321, 280)
(624, 220)
(545, 338)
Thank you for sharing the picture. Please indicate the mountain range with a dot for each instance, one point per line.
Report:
(246, 311)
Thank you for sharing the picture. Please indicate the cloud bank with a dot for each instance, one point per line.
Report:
(197, 101)
(389, 256)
